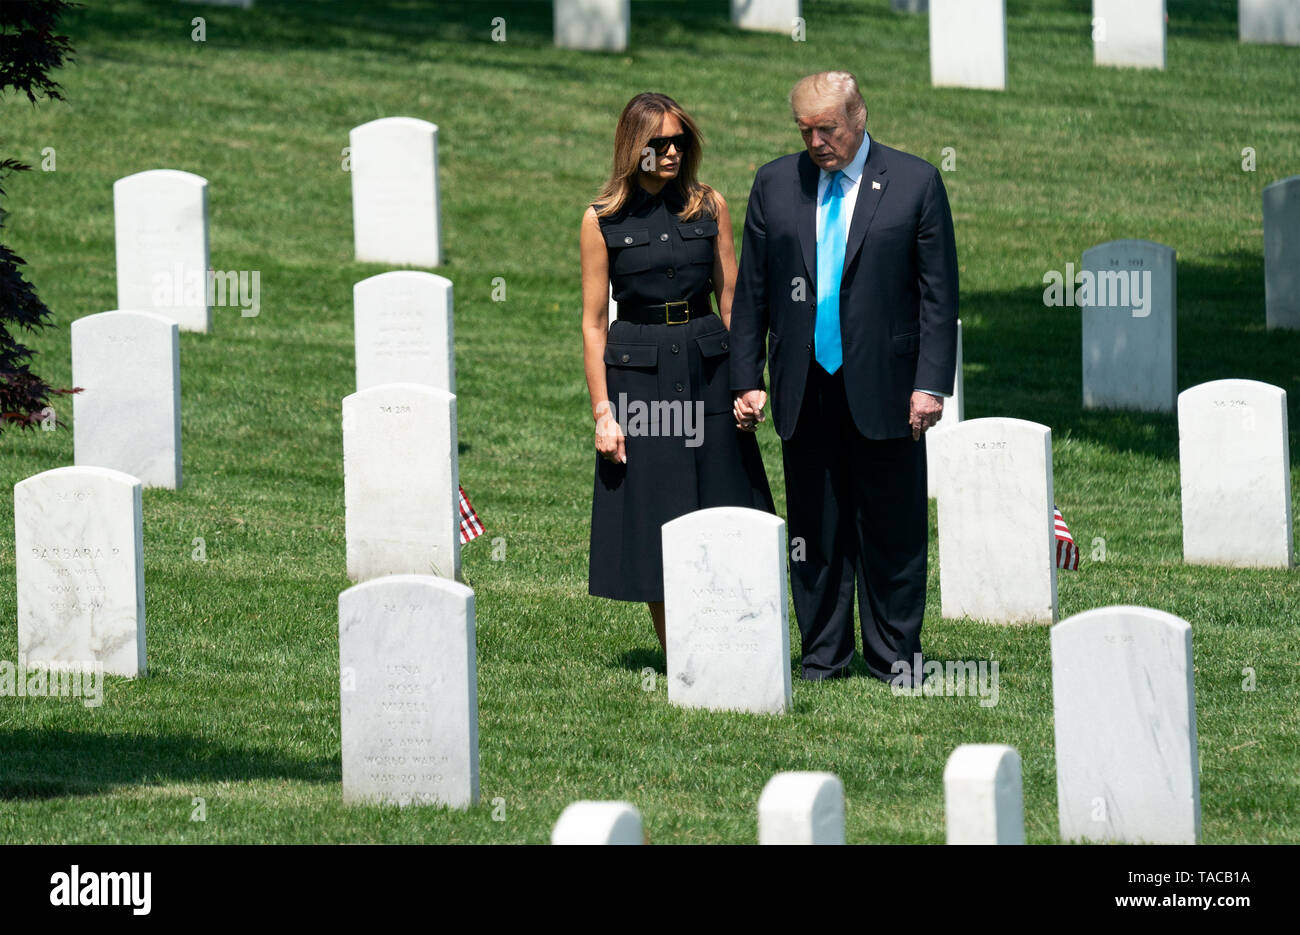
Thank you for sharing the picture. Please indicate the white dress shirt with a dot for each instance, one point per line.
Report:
(850, 184)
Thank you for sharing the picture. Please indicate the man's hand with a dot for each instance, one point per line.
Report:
(925, 412)
(748, 409)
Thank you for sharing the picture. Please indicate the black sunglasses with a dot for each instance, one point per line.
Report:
(660, 143)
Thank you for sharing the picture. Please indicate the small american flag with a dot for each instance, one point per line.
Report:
(470, 526)
(1067, 553)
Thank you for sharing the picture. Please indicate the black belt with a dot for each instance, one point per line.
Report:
(670, 313)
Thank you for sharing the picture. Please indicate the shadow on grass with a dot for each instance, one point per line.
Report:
(398, 28)
(635, 660)
(1193, 19)
(46, 764)
(395, 27)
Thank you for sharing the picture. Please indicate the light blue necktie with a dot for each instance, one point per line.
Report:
(830, 270)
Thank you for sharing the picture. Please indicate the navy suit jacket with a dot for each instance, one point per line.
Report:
(898, 294)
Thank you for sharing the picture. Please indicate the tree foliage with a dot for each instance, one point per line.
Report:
(29, 50)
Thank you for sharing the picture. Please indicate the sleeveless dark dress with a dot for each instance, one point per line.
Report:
(654, 258)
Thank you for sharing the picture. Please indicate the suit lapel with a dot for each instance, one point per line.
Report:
(871, 188)
(806, 217)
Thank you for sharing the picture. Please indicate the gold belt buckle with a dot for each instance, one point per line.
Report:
(668, 312)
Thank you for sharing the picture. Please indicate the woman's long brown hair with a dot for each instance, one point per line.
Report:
(638, 123)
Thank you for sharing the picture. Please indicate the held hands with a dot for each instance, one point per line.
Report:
(609, 437)
(925, 412)
(748, 409)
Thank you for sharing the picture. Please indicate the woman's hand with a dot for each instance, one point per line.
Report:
(609, 437)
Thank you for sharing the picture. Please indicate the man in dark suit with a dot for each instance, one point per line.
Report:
(848, 275)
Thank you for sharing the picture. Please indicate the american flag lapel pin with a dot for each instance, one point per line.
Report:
(875, 186)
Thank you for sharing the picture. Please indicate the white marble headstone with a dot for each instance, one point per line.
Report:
(1234, 458)
(1129, 33)
(404, 330)
(79, 561)
(128, 413)
(968, 44)
(592, 25)
(726, 618)
(997, 553)
(408, 692)
(160, 220)
(1128, 302)
(954, 411)
(1125, 715)
(598, 823)
(1282, 252)
(395, 209)
(982, 796)
(401, 482)
(1272, 21)
(765, 15)
(801, 808)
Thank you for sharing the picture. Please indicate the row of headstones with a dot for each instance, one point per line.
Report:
(161, 222)
(1123, 701)
(127, 363)
(128, 416)
(1128, 361)
(992, 480)
(794, 808)
(728, 645)
(407, 660)
(407, 639)
(400, 437)
(968, 38)
(79, 529)
(409, 684)
(1139, 39)
(994, 487)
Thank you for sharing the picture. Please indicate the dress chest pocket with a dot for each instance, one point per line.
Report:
(698, 240)
(629, 250)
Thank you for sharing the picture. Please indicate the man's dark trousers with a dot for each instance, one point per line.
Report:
(857, 506)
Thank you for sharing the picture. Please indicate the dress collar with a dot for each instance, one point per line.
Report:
(670, 194)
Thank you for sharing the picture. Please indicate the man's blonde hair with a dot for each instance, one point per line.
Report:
(840, 88)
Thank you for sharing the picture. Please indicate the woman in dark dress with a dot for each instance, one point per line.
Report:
(667, 442)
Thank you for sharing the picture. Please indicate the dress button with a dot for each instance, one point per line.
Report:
(808, 347)
(724, 345)
(627, 240)
(663, 236)
(678, 387)
(699, 230)
(676, 349)
(671, 272)
(625, 358)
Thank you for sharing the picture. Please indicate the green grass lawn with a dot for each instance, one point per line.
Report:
(241, 704)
